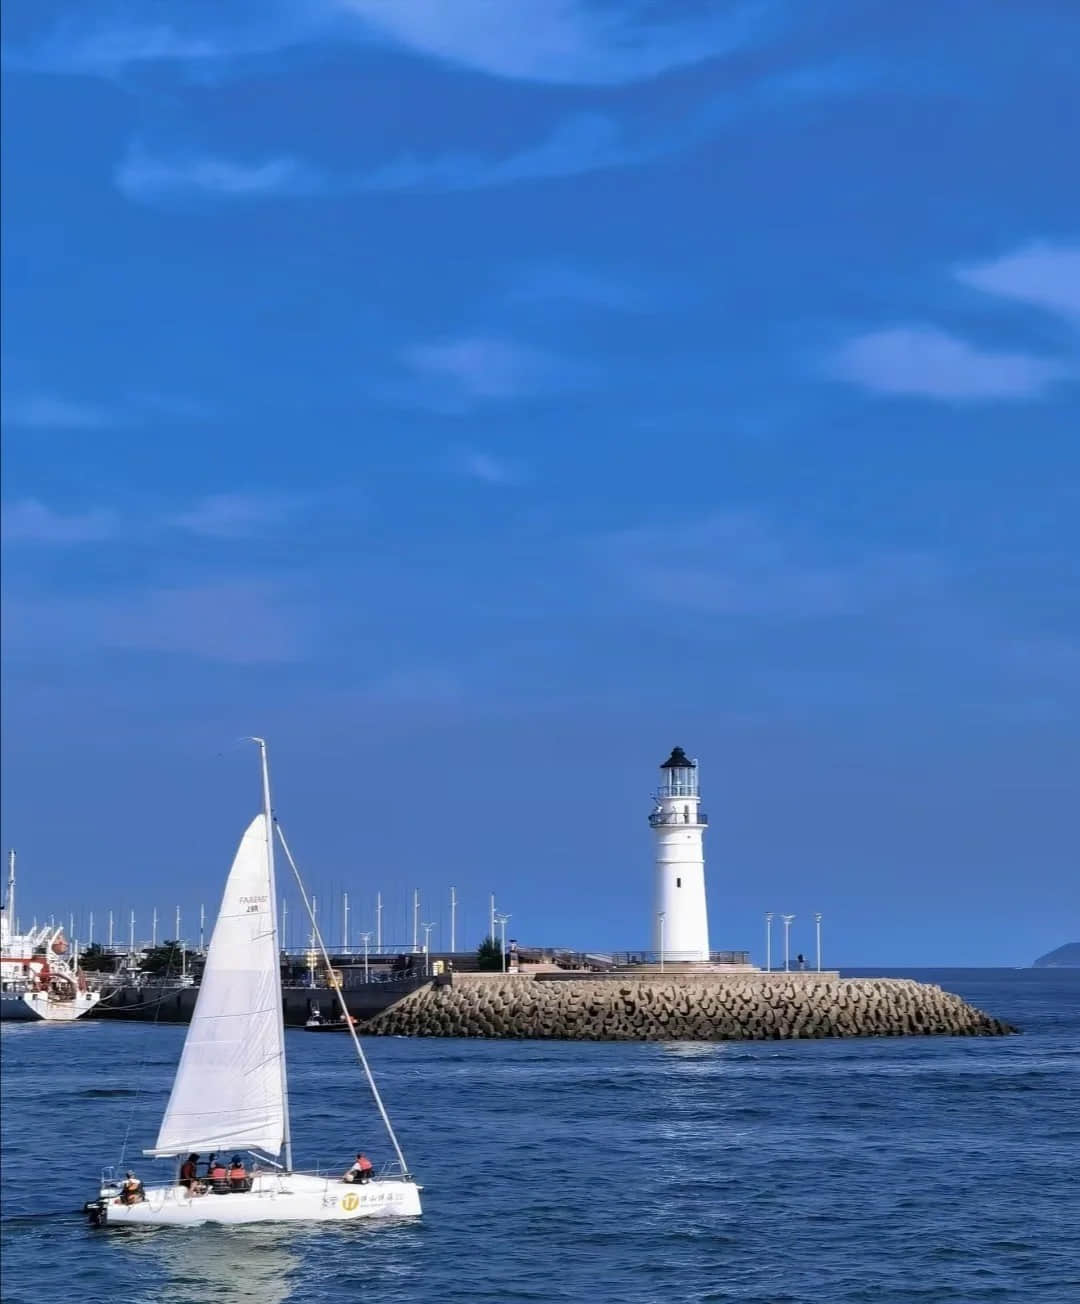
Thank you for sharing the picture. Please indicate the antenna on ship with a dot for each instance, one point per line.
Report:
(10, 924)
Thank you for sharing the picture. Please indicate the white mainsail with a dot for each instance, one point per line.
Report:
(229, 1091)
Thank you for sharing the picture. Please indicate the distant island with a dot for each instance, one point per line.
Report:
(1065, 957)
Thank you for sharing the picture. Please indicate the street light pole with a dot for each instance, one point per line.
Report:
(153, 928)
(492, 916)
(427, 948)
(502, 921)
(90, 938)
(365, 938)
(345, 921)
(453, 921)
(378, 923)
(416, 920)
(817, 925)
(768, 941)
(787, 927)
(661, 917)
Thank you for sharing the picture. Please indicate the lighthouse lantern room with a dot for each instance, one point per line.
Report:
(680, 917)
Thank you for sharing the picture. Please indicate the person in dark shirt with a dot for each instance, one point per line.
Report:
(188, 1173)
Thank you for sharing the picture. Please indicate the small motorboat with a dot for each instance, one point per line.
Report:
(318, 1022)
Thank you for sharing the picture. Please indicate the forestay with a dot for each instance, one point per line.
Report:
(229, 1091)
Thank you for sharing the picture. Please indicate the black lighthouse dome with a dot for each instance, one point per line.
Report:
(678, 760)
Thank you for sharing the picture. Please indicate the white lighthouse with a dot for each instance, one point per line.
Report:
(680, 917)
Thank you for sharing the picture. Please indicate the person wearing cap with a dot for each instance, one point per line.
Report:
(131, 1190)
(360, 1170)
(238, 1178)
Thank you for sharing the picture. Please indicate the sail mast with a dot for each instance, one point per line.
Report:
(261, 742)
(9, 903)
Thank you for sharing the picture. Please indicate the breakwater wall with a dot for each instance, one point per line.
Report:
(153, 1004)
(725, 1007)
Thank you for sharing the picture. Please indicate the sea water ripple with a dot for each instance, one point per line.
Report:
(840, 1172)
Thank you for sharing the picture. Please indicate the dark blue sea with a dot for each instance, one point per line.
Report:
(883, 1171)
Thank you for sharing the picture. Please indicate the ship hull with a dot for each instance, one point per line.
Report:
(40, 1007)
(274, 1197)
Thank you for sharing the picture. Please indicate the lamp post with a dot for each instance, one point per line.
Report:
(90, 938)
(345, 921)
(453, 921)
(787, 929)
(492, 913)
(416, 920)
(176, 934)
(817, 927)
(501, 920)
(110, 930)
(661, 916)
(153, 928)
(131, 934)
(365, 938)
(427, 947)
(378, 923)
(768, 941)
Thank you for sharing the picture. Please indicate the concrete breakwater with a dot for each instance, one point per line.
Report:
(712, 1008)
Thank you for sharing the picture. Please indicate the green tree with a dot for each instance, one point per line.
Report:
(165, 958)
(95, 959)
(488, 954)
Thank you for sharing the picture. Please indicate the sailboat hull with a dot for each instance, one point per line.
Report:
(295, 1197)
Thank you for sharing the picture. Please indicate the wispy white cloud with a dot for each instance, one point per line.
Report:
(478, 367)
(924, 362)
(562, 41)
(579, 144)
(483, 466)
(32, 522)
(587, 142)
(1041, 274)
(90, 45)
(225, 516)
(740, 564)
(54, 412)
(146, 178)
(557, 41)
(418, 686)
(241, 620)
(564, 282)
(44, 411)
(237, 515)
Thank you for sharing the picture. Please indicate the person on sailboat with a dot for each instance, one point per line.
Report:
(219, 1178)
(188, 1174)
(360, 1171)
(131, 1191)
(238, 1178)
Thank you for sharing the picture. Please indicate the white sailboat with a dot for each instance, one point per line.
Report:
(231, 1087)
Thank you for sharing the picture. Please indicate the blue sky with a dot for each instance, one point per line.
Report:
(478, 399)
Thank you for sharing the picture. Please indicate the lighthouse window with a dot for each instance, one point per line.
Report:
(678, 882)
